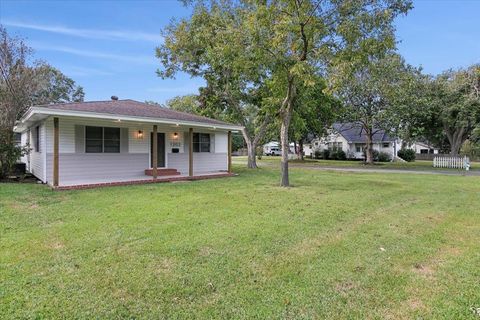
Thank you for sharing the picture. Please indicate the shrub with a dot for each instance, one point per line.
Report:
(318, 154)
(326, 154)
(9, 153)
(384, 157)
(340, 155)
(407, 154)
(259, 152)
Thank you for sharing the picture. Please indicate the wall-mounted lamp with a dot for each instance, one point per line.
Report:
(175, 135)
(139, 134)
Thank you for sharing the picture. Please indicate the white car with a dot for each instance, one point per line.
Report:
(274, 152)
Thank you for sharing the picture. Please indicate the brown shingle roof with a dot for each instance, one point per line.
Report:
(132, 108)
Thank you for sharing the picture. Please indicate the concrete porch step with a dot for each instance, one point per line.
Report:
(161, 172)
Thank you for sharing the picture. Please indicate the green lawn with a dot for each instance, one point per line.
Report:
(336, 245)
(419, 165)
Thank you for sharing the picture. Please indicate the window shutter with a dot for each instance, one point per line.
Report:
(79, 139)
(123, 140)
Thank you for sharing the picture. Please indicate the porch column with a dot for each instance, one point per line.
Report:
(229, 151)
(154, 152)
(55, 152)
(190, 152)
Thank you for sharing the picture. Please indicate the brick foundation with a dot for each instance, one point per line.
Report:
(135, 182)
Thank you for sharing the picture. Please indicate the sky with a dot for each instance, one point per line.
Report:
(108, 47)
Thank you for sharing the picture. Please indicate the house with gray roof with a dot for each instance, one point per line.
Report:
(351, 138)
(85, 144)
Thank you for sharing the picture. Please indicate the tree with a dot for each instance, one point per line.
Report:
(282, 44)
(22, 84)
(55, 87)
(188, 103)
(315, 112)
(299, 38)
(373, 93)
(213, 44)
(456, 104)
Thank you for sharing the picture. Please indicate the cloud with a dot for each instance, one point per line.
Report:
(138, 59)
(75, 71)
(89, 33)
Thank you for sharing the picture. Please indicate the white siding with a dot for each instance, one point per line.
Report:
(221, 142)
(77, 167)
(37, 158)
(202, 162)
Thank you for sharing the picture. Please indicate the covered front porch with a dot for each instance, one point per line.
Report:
(146, 154)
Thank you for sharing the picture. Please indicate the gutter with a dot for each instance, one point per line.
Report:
(95, 115)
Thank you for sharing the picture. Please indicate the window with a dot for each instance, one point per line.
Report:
(201, 142)
(359, 147)
(102, 140)
(37, 139)
(423, 151)
(18, 139)
(386, 145)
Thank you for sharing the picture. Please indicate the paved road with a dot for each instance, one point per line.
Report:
(373, 170)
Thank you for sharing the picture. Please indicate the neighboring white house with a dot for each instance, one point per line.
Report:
(351, 138)
(102, 142)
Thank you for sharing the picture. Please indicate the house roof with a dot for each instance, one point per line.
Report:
(128, 110)
(354, 133)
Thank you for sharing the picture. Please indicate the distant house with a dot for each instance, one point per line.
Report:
(423, 148)
(120, 142)
(351, 138)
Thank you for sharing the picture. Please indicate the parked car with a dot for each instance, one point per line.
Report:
(273, 151)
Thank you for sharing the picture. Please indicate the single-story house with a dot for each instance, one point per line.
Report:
(423, 148)
(351, 138)
(122, 141)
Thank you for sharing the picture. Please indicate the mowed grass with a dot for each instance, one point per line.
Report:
(417, 165)
(336, 245)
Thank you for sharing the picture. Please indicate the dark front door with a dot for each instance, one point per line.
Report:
(160, 149)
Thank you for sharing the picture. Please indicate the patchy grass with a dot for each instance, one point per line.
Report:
(336, 245)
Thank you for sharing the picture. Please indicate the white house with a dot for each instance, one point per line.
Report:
(122, 141)
(423, 148)
(351, 138)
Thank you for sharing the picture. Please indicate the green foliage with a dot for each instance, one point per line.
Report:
(188, 103)
(471, 150)
(445, 106)
(318, 154)
(407, 154)
(338, 155)
(9, 153)
(326, 154)
(384, 157)
(55, 87)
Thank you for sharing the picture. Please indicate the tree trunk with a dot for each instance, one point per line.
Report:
(253, 143)
(369, 148)
(300, 149)
(456, 139)
(285, 146)
(286, 114)
(251, 151)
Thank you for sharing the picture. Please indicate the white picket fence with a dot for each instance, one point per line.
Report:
(452, 162)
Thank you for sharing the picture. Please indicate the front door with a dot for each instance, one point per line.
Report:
(160, 149)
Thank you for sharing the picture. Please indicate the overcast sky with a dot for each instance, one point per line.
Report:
(108, 47)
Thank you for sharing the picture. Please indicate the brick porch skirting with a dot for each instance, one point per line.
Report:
(135, 182)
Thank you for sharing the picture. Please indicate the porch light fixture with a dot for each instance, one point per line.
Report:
(175, 135)
(140, 134)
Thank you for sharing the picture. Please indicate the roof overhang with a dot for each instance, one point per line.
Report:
(39, 113)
